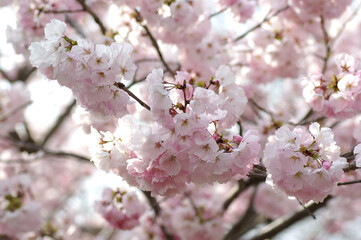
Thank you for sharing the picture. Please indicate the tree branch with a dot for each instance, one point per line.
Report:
(61, 11)
(247, 222)
(156, 208)
(326, 40)
(94, 15)
(58, 122)
(242, 186)
(75, 25)
(5, 75)
(124, 88)
(15, 110)
(280, 224)
(344, 25)
(266, 18)
(139, 19)
(348, 183)
(217, 13)
(31, 147)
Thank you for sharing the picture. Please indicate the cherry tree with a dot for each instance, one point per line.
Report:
(217, 119)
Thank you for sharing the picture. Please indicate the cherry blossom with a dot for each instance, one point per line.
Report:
(306, 165)
(222, 118)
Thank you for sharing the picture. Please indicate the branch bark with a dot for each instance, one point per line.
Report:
(156, 208)
(267, 18)
(281, 224)
(94, 15)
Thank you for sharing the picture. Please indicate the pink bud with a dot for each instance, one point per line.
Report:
(215, 137)
(237, 138)
(326, 165)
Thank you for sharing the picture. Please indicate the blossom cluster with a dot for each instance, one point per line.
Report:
(14, 99)
(241, 8)
(199, 130)
(309, 9)
(186, 141)
(304, 164)
(92, 72)
(121, 209)
(339, 96)
(18, 214)
(197, 214)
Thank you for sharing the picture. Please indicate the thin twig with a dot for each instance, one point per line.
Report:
(124, 88)
(246, 222)
(350, 167)
(5, 75)
(94, 15)
(261, 108)
(24, 73)
(326, 40)
(242, 186)
(61, 11)
(309, 121)
(344, 25)
(136, 82)
(256, 176)
(348, 183)
(266, 18)
(217, 13)
(58, 122)
(349, 155)
(145, 60)
(154, 42)
(75, 25)
(197, 213)
(281, 224)
(35, 148)
(156, 46)
(156, 208)
(307, 116)
(15, 110)
(308, 211)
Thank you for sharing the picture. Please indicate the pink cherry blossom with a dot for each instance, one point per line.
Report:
(306, 165)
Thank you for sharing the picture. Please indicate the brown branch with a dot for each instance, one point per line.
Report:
(75, 25)
(62, 11)
(326, 40)
(124, 88)
(248, 221)
(350, 167)
(242, 186)
(307, 116)
(25, 73)
(308, 210)
(156, 208)
(348, 183)
(349, 155)
(259, 175)
(5, 75)
(139, 19)
(94, 15)
(197, 213)
(58, 122)
(261, 108)
(281, 224)
(15, 110)
(217, 13)
(309, 121)
(344, 25)
(136, 81)
(266, 18)
(35, 148)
